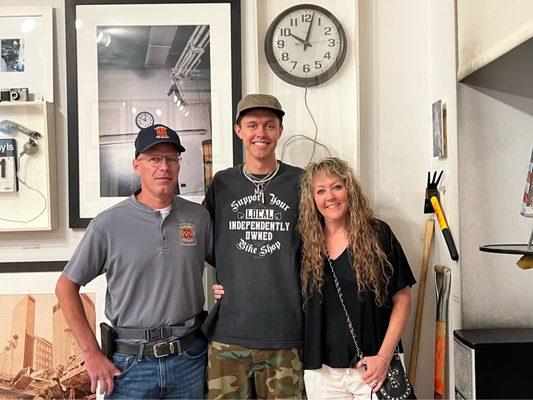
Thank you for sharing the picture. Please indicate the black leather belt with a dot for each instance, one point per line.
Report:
(159, 349)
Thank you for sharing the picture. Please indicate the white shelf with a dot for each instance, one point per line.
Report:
(22, 103)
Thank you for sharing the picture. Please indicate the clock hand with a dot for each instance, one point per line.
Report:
(306, 44)
(297, 38)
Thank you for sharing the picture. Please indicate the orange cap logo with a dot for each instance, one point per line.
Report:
(161, 132)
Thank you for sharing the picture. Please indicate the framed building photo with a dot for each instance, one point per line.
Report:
(132, 64)
(26, 50)
(39, 357)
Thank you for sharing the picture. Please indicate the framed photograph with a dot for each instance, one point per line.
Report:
(133, 64)
(39, 357)
(26, 49)
(438, 110)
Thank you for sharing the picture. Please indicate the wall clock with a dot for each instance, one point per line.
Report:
(305, 45)
(144, 119)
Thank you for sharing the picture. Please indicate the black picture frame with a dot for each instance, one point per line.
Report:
(32, 266)
(74, 182)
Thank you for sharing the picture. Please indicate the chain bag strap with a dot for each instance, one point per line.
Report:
(397, 385)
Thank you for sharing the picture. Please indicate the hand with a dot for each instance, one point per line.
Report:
(376, 371)
(307, 44)
(298, 39)
(100, 369)
(218, 291)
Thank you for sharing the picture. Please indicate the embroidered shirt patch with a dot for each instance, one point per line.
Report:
(187, 234)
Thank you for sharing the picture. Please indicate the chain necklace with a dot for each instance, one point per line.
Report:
(260, 183)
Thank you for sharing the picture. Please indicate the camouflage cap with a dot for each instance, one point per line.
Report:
(262, 101)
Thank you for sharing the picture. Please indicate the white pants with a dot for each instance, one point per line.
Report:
(336, 383)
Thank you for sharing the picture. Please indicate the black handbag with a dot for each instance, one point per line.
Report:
(396, 385)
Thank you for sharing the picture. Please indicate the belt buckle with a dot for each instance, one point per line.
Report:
(167, 348)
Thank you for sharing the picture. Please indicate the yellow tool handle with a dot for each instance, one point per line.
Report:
(438, 212)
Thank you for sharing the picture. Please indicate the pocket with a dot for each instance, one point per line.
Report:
(124, 362)
(197, 349)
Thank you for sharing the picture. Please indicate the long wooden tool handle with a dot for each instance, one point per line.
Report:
(443, 281)
(430, 228)
(440, 360)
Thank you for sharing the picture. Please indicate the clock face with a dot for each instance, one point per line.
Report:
(305, 45)
(144, 119)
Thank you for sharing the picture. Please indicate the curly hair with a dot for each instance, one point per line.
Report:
(370, 265)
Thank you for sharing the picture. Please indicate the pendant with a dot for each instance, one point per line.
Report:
(260, 192)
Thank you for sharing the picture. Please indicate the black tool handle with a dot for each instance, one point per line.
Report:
(450, 243)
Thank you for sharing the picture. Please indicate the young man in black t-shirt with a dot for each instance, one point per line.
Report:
(256, 329)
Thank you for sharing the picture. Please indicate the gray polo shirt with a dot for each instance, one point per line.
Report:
(153, 266)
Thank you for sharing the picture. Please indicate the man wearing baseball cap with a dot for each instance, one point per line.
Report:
(255, 330)
(152, 248)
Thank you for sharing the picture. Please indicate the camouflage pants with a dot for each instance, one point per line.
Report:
(235, 372)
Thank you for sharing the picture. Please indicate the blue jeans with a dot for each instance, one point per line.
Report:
(178, 376)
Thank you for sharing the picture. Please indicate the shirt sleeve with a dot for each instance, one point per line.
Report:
(402, 275)
(89, 259)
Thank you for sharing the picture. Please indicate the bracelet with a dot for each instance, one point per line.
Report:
(383, 358)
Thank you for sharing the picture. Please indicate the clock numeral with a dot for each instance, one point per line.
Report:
(306, 17)
(306, 68)
(331, 42)
(285, 31)
(285, 56)
(319, 21)
(318, 64)
(3, 165)
(294, 21)
(327, 55)
(281, 44)
(327, 30)
(294, 63)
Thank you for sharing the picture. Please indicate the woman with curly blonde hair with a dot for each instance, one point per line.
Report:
(340, 232)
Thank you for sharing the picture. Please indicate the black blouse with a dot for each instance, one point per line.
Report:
(327, 337)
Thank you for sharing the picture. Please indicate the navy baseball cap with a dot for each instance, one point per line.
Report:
(156, 134)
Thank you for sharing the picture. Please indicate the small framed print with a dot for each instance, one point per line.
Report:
(26, 45)
(440, 145)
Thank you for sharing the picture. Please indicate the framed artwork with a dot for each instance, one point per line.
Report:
(440, 144)
(26, 50)
(39, 356)
(133, 64)
(527, 199)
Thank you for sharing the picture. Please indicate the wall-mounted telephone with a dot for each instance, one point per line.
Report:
(30, 147)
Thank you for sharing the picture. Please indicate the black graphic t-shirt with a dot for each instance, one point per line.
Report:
(257, 260)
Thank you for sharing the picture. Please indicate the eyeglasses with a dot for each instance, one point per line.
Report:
(157, 160)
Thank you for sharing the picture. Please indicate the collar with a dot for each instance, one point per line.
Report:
(143, 207)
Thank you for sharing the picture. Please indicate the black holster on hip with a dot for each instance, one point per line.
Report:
(108, 336)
